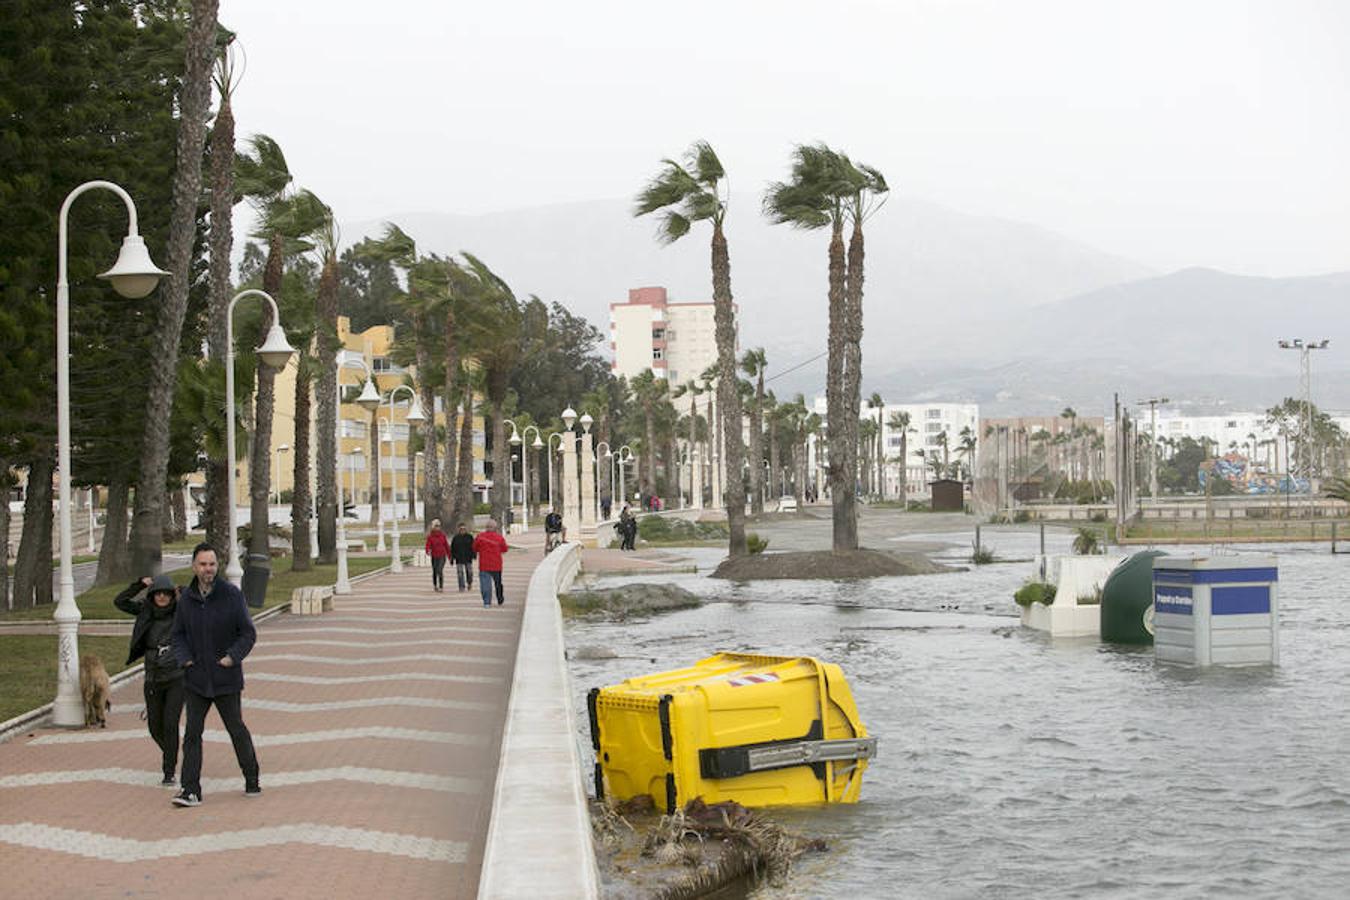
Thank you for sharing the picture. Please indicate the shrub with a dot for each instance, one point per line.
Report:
(982, 556)
(1035, 592)
(482, 509)
(1087, 542)
(755, 543)
(1022, 516)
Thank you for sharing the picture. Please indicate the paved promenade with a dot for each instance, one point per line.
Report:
(378, 727)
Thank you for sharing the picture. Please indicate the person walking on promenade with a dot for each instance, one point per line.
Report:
(554, 533)
(489, 545)
(461, 551)
(213, 618)
(438, 548)
(627, 528)
(151, 637)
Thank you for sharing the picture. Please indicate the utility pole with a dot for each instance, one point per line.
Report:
(1305, 423)
(1152, 404)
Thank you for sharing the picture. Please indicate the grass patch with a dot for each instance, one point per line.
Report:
(1035, 592)
(28, 668)
(982, 556)
(96, 603)
(671, 531)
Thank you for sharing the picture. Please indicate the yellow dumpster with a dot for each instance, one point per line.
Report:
(760, 730)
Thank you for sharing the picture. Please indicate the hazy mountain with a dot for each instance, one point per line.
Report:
(928, 268)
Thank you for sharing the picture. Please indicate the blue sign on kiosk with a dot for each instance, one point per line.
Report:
(1216, 612)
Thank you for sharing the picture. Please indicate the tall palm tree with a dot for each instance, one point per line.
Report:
(966, 447)
(326, 345)
(879, 456)
(697, 192)
(690, 388)
(867, 442)
(754, 363)
(825, 189)
(194, 101)
(899, 421)
(1071, 440)
(496, 347)
(648, 390)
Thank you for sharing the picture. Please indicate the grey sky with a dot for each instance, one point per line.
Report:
(1214, 132)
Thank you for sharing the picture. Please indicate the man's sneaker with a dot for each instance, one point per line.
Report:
(169, 780)
(252, 789)
(187, 798)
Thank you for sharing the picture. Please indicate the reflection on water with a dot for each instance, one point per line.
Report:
(1011, 765)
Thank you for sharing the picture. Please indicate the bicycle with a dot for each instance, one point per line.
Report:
(552, 540)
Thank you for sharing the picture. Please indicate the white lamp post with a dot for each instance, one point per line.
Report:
(274, 353)
(589, 497)
(351, 469)
(134, 275)
(413, 491)
(518, 440)
(368, 400)
(415, 417)
(623, 455)
(552, 498)
(92, 522)
(277, 470)
(598, 456)
(571, 499)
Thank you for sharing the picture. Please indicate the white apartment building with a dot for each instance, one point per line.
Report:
(926, 422)
(675, 341)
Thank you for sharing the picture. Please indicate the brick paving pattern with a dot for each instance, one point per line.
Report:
(378, 728)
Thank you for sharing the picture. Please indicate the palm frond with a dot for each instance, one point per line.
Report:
(707, 168)
(261, 174)
(673, 227)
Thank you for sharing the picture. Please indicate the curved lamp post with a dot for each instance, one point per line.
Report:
(274, 353)
(368, 400)
(571, 497)
(134, 275)
(517, 438)
(415, 417)
(607, 455)
(623, 455)
(552, 499)
(590, 497)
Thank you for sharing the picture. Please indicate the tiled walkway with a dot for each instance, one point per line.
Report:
(378, 727)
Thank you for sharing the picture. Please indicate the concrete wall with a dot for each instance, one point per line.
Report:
(539, 841)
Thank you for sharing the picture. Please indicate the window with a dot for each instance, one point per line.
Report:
(381, 364)
(934, 427)
(658, 334)
(933, 414)
(658, 353)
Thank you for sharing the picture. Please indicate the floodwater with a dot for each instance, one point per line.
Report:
(1011, 765)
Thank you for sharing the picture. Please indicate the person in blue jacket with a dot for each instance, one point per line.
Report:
(212, 633)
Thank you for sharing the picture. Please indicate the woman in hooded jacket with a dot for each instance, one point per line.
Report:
(150, 638)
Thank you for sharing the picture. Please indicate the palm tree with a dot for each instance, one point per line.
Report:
(696, 192)
(1071, 440)
(826, 189)
(648, 390)
(875, 402)
(867, 434)
(327, 240)
(753, 363)
(899, 421)
(966, 447)
(194, 101)
(690, 388)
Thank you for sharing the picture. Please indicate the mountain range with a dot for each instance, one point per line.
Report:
(958, 307)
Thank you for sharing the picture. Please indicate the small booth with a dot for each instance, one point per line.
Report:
(949, 495)
(1216, 612)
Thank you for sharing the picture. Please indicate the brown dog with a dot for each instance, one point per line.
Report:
(96, 689)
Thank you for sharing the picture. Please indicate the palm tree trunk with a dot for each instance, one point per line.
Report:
(412, 481)
(433, 496)
(842, 439)
(757, 449)
(113, 562)
(6, 491)
(904, 470)
(852, 368)
(501, 461)
(215, 511)
(300, 494)
(194, 100)
(464, 470)
(325, 395)
(373, 478)
(648, 480)
(260, 448)
(33, 563)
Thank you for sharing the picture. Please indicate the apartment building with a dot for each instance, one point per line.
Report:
(674, 341)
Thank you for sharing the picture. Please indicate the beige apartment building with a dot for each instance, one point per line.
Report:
(675, 341)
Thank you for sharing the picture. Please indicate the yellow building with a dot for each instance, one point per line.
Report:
(371, 347)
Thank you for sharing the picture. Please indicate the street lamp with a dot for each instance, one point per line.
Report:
(276, 468)
(369, 400)
(274, 353)
(415, 417)
(351, 469)
(590, 496)
(607, 455)
(1305, 425)
(412, 487)
(134, 275)
(571, 497)
(1152, 403)
(624, 454)
(552, 499)
(517, 438)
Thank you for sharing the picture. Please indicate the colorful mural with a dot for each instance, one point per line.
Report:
(1247, 478)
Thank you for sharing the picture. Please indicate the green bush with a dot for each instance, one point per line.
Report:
(669, 529)
(982, 556)
(755, 543)
(919, 506)
(1035, 592)
(1022, 516)
(1087, 542)
(482, 509)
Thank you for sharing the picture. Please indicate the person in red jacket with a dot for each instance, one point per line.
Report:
(490, 545)
(438, 548)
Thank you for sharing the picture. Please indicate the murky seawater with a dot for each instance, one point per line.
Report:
(1011, 765)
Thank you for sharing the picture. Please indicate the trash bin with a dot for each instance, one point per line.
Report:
(760, 730)
(256, 572)
(1216, 612)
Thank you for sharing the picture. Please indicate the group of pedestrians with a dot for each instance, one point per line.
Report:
(486, 547)
(194, 641)
(627, 529)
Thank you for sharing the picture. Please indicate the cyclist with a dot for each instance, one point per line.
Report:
(553, 530)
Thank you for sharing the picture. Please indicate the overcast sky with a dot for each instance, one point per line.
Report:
(1176, 133)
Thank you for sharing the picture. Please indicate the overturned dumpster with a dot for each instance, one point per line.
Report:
(759, 730)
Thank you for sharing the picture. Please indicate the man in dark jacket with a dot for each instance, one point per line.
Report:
(151, 638)
(461, 551)
(212, 633)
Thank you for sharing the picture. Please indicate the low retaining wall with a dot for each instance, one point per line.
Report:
(539, 840)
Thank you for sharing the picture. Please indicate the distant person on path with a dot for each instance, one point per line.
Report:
(606, 504)
(152, 637)
(490, 545)
(627, 528)
(461, 551)
(438, 548)
(212, 618)
(554, 533)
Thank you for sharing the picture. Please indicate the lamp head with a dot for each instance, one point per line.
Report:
(370, 398)
(276, 351)
(569, 416)
(134, 274)
(586, 422)
(537, 443)
(415, 415)
(515, 438)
